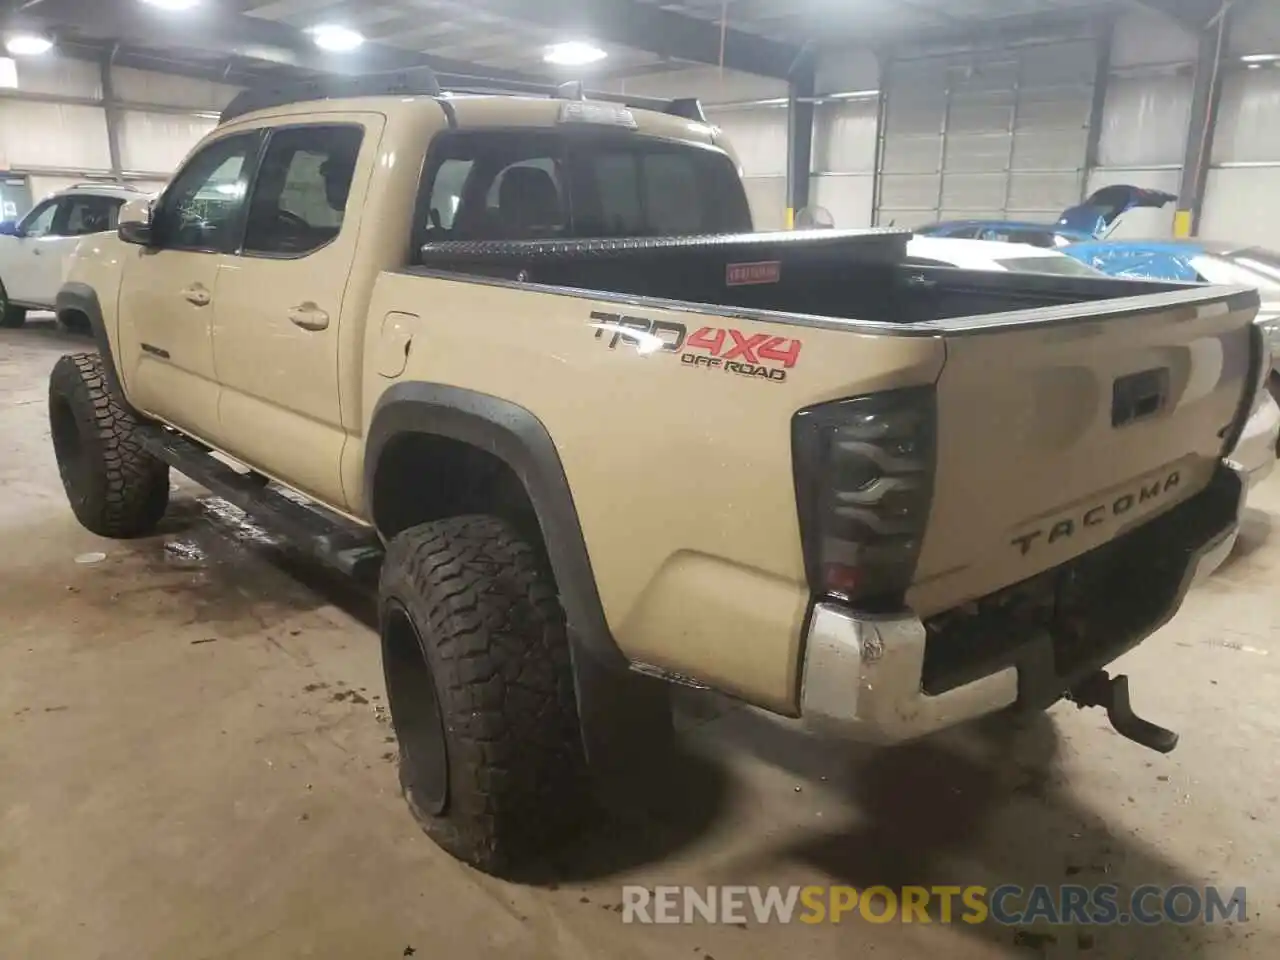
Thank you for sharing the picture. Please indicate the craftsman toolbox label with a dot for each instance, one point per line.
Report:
(759, 356)
(744, 274)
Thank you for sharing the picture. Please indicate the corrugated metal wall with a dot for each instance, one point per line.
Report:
(844, 159)
(759, 135)
(845, 137)
(1146, 114)
(988, 135)
(1242, 199)
(56, 144)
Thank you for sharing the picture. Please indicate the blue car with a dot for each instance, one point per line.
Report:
(1204, 261)
(1190, 261)
(1086, 221)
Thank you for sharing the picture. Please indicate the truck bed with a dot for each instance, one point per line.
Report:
(1068, 410)
(822, 275)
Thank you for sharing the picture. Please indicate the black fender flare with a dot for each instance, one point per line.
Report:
(518, 438)
(82, 298)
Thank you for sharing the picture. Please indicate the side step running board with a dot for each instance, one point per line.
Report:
(334, 540)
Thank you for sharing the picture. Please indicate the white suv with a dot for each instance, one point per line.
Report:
(36, 250)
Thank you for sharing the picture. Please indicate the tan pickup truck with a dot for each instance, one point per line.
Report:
(528, 364)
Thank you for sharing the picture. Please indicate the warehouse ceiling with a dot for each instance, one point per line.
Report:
(242, 40)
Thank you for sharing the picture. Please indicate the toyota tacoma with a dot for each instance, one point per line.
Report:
(526, 364)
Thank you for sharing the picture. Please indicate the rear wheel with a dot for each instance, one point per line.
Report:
(480, 686)
(115, 487)
(10, 316)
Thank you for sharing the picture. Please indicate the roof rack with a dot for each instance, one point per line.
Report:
(424, 82)
(690, 108)
(99, 184)
(419, 82)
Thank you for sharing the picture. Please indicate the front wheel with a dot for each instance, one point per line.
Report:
(10, 316)
(115, 487)
(480, 686)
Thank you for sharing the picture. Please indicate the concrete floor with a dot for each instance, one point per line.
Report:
(195, 764)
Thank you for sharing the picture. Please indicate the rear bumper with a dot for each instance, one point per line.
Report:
(892, 679)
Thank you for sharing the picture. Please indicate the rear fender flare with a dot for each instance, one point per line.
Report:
(518, 438)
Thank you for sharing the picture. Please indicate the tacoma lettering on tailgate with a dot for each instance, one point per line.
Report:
(1098, 515)
(760, 356)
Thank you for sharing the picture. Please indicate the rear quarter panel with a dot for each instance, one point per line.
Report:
(681, 475)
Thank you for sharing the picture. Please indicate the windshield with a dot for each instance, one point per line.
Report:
(1253, 267)
(510, 185)
(1063, 265)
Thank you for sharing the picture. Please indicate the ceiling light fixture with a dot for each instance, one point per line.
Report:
(1261, 57)
(335, 38)
(573, 53)
(173, 4)
(28, 45)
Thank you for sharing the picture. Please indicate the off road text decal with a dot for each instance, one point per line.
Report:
(756, 355)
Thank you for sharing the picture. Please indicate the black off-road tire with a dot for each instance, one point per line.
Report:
(11, 317)
(115, 487)
(481, 691)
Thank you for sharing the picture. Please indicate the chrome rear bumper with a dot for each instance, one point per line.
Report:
(863, 676)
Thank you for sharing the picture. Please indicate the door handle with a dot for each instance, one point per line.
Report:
(309, 317)
(197, 295)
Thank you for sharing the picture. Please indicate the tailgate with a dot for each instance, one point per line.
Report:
(1060, 430)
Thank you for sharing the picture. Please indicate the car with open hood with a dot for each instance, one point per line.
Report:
(1096, 217)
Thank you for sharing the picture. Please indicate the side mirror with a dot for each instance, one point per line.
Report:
(9, 228)
(134, 225)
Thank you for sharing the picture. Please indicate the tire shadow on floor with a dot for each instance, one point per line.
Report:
(653, 796)
(982, 805)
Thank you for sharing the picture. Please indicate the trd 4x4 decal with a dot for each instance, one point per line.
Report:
(756, 355)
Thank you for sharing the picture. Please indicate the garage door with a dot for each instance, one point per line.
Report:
(989, 136)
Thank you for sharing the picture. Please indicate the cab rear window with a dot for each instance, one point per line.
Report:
(510, 185)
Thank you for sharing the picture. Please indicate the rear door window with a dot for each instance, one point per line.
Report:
(87, 214)
(531, 185)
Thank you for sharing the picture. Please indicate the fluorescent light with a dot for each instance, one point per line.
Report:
(173, 4)
(1261, 57)
(28, 45)
(330, 36)
(573, 53)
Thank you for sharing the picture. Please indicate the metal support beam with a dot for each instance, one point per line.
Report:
(800, 110)
(1205, 100)
(111, 108)
(642, 26)
(1101, 80)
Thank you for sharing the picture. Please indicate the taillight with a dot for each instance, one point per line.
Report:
(864, 482)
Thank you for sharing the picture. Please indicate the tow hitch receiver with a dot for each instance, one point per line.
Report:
(1101, 690)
